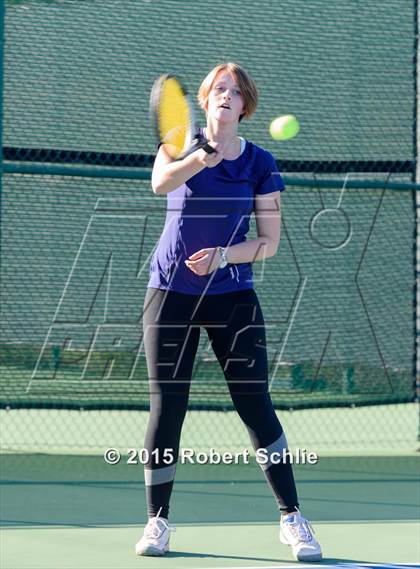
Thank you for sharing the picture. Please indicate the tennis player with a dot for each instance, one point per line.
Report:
(201, 276)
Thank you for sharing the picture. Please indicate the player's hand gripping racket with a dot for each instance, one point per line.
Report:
(172, 115)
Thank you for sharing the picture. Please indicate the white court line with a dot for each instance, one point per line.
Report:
(269, 567)
(338, 566)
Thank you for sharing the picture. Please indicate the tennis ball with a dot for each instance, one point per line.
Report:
(284, 127)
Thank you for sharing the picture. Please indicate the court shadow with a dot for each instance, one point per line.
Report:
(179, 554)
(325, 561)
(335, 560)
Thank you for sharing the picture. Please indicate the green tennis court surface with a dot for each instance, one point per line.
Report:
(77, 511)
(339, 299)
(205, 546)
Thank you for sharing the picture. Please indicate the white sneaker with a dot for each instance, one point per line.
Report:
(155, 540)
(299, 534)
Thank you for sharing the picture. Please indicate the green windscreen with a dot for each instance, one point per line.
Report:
(77, 75)
(337, 298)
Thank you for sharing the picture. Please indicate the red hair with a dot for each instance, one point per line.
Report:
(245, 83)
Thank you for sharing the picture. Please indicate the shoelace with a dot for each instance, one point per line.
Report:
(154, 527)
(300, 529)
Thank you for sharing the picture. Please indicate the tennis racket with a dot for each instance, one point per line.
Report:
(172, 116)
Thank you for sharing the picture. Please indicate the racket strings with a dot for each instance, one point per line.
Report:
(174, 117)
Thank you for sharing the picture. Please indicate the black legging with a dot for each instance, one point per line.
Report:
(235, 327)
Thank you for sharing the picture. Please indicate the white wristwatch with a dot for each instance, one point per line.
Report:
(223, 260)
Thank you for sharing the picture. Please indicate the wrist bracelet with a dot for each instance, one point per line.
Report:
(223, 260)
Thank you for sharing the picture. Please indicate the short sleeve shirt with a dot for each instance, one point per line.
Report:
(210, 209)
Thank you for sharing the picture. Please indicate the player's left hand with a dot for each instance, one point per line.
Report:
(204, 261)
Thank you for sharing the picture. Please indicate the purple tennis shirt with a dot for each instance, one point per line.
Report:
(212, 208)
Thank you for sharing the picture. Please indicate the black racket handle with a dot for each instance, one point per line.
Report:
(209, 149)
(201, 142)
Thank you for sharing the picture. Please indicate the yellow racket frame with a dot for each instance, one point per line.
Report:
(172, 115)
